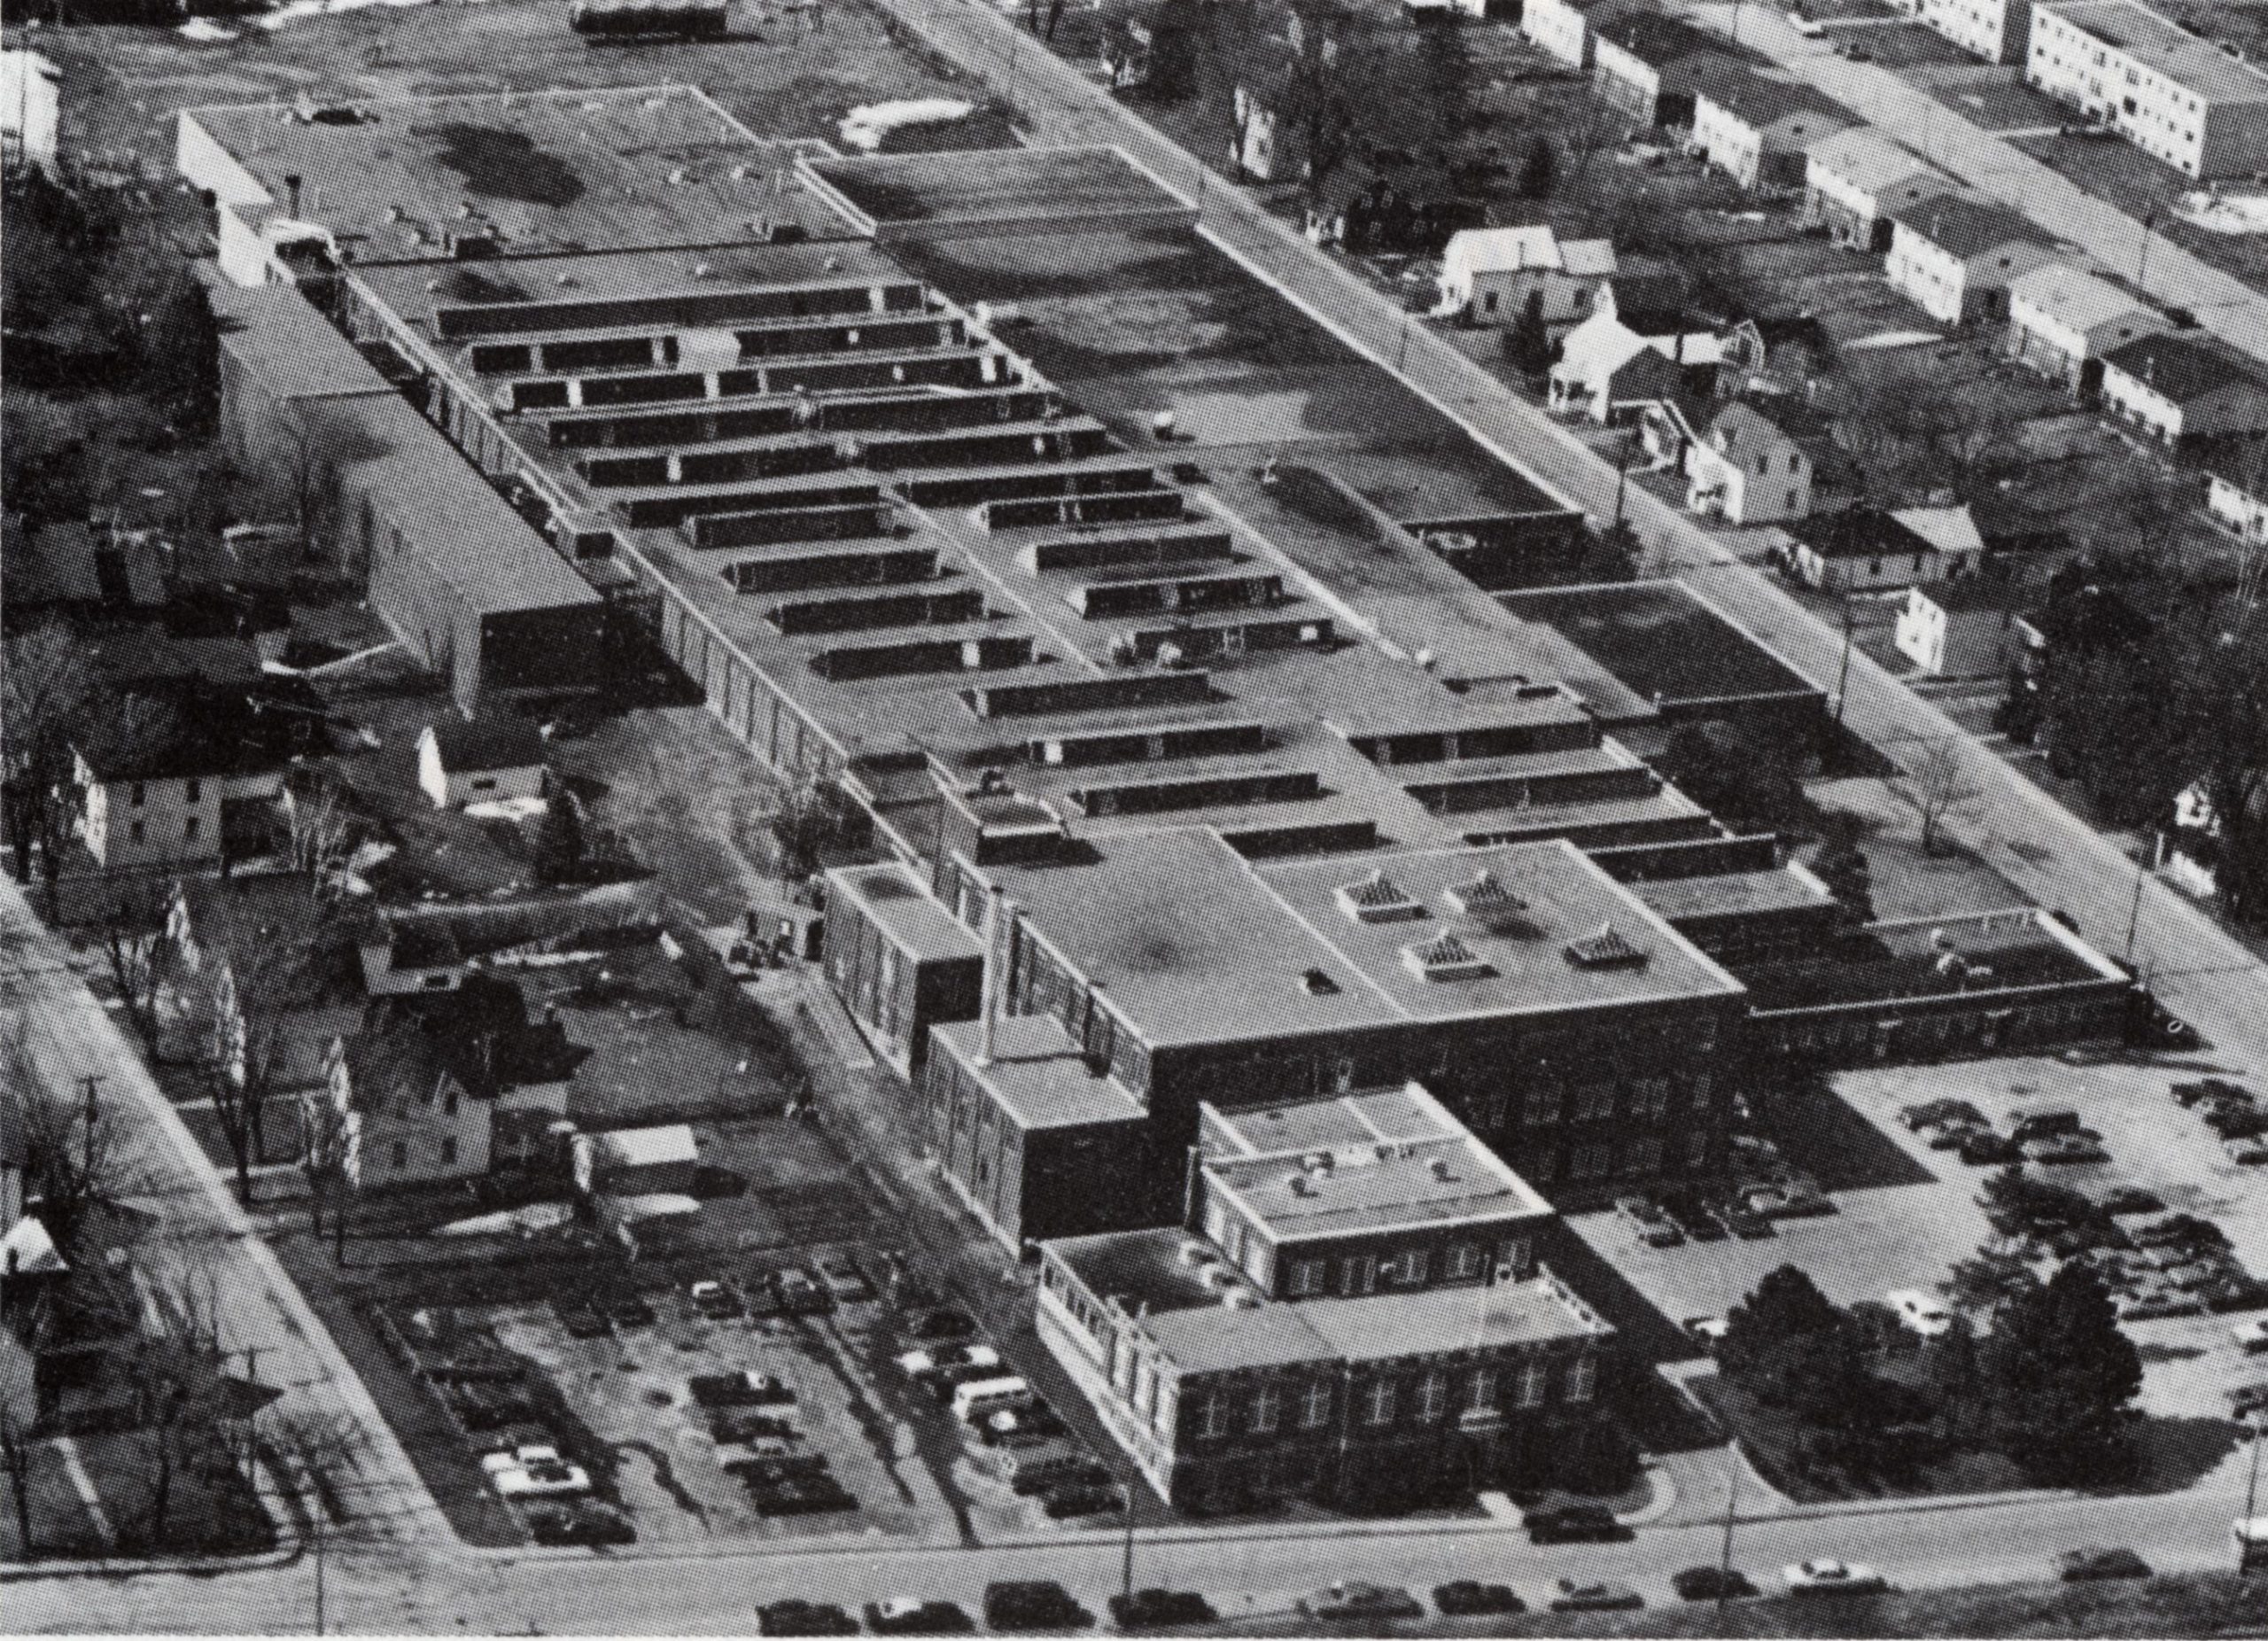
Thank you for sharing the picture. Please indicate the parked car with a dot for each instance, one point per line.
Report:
(1711, 1584)
(2082, 1566)
(2246, 1400)
(1599, 1597)
(2064, 1148)
(1831, 1577)
(2248, 1152)
(1743, 1221)
(1033, 1604)
(579, 1318)
(716, 1300)
(578, 1521)
(945, 1323)
(1645, 1217)
(1857, 53)
(927, 1362)
(2132, 1200)
(1982, 1147)
(1692, 1215)
(1464, 1599)
(1706, 1330)
(740, 1389)
(1352, 1599)
(1920, 1313)
(1574, 1524)
(2189, 1094)
(901, 1615)
(1065, 1503)
(2251, 1337)
(795, 1496)
(626, 1309)
(1148, 1609)
(1953, 1136)
(1933, 1112)
(800, 1295)
(804, 1618)
(844, 1279)
(534, 1471)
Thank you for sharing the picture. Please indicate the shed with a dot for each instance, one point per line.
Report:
(460, 762)
(637, 1162)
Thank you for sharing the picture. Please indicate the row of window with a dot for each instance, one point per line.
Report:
(192, 791)
(1546, 1103)
(1382, 1403)
(139, 831)
(1641, 1156)
(1362, 1273)
(1952, 1026)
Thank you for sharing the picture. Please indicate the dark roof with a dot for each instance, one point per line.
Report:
(488, 743)
(1656, 40)
(480, 1035)
(392, 1057)
(1797, 419)
(1862, 533)
(1966, 226)
(12, 1138)
(203, 730)
(2179, 368)
(416, 941)
(2090, 618)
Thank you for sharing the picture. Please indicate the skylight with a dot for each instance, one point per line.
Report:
(1378, 899)
(1485, 893)
(1446, 957)
(1605, 950)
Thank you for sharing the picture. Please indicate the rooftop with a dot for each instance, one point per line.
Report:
(1406, 1113)
(600, 170)
(935, 195)
(2081, 301)
(500, 743)
(2178, 55)
(645, 1147)
(1869, 161)
(2180, 370)
(1931, 958)
(1661, 639)
(279, 335)
(895, 900)
(1968, 225)
(1730, 894)
(1764, 102)
(1862, 533)
(1037, 1075)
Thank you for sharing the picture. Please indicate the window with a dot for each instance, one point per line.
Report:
(1594, 1100)
(192, 791)
(1591, 1162)
(1359, 1274)
(1414, 1264)
(1697, 1150)
(1213, 1416)
(1701, 1091)
(449, 1152)
(400, 1154)
(1517, 1254)
(1542, 1104)
(1582, 1379)
(1465, 1261)
(1481, 1391)
(483, 783)
(1307, 1276)
(135, 833)
(140, 793)
(1315, 1406)
(1433, 1397)
(1649, 1096)
(1377, 1403)
(1533, 1379)
(1642, 1156)
(449, 1101)
(1488, 303)
(1267, 1404)
(189, 829)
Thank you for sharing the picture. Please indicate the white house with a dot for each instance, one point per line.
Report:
(1607, 371)
(171, 804)
(31, 107)
(1557, 28)
(1488, 275)
(410, 956)
(2202, 110)
(2181, 392)
(2189, 850)
(1957, 255)
(1865, 550)
(1854, 179)
(1755, 461)
(2236, 508)
(636, 1161)
(1966, 627)
(1999, 31)
(460, 762)
(2062, 322)
(1759, 131)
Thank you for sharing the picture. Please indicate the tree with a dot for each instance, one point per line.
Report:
(43, 692)
(324, 1140)
(1732, 775)
(1786, 1344)
(182, 356)
(1936, 785)
(1527, 345)
(1175, 36)
(2059, 1375)
(320, 839)
(16, 1461)
(2221, 707)
(1540, 171)
(559, 838)
(1996, 1274)
(71, 1163)
(804, 824)
(44, 480)
(1316, 106)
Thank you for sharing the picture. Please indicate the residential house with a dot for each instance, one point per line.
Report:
(2238, 507)
(1755, 461)
(1642, 65)
(2080, 616)
(2200, 109)
(1609, 372)
(70, 566)
(1126, 43)
(1951, 532)
(1854, 180)
(1966, 626)
(484, 761)
(197, 781)
(1560, 29)
(2183, 392)
(409, 956)
(1957, 255)
(1865, 550)
(417, 1089)
(1489, 274)
(1759, 131)
(2192, 847)
(637, 1162)
(2062, 323)
(1999, 31)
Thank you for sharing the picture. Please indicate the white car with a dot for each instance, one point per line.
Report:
(1919, 1312)
(535, 1472)
(1803, 26)
(2251, 1337)
(1832, 1578)
(921, 1364)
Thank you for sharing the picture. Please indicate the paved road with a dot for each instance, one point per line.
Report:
(2226, 305)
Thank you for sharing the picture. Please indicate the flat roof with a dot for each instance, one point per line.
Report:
(1660, 640)
(1968, 225)
(2180, 370)
(279, 335)
(938, 192)
(2079, 300)
(1727, 894)
(896, 902)
(1036, 1074)
(601, 170)
(1869, 161)
(1406, 1113)
(1908, 961)
(1381, 1327)
(2196, 65)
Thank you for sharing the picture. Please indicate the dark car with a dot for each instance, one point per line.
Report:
(1692, 1217)
(1935, 1112)
(804, 1618)
(1063, 1502)
(579, 1318)
(716, 1300)
(626, 1310)
(797, 1496)
(1595, 1598)
(844, 1277)
(1746, 1223)
(1033, 1604)
(578, 1521)
(1711, 1584)
(1570, 1524)
(1982, 1147)
(2082, 1565)
(1149, 1608)
(946, 1323)
(1352, 1598)
(917, 1618)
(1465, 1598)
(2132, 1200)
(801, 1296)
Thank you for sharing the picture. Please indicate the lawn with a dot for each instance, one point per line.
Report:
(1773, 1440)
(210, 1509)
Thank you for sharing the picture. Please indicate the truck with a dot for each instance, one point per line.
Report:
(603, 21)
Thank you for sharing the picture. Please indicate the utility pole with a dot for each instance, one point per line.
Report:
(1126, 1559)
(1842, 678)
(2142, 262)
(315, 1523)
(2134, 912)
(1622, 475)
(1725, 1548)
(2251, 1498)
(1402, 346)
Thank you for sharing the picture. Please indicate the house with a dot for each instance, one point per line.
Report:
(484, 761)
(1951, 532)
(1755, 461)
(1999, 31)
(2062, 323)
(1488, 273)
(1957, 255)
(637, 1162)
(410, 956)
(1967, 626)
(1126, 44)
(416, 1089)
(1559, 30)
(2192, 848)
(2238, 507)
(31, 107)
(1609, 372)
(1854, 180)
(1642, 65)
(199, 782)
(2202, 109)
(73, 567)
(1655, 306)
(2183, 392)
(2080, 616)
(1865, 550)
(1759, 131)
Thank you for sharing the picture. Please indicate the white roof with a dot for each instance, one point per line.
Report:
(1504, 250)
(2072, 298)
(1587, 257)
(1947, 529)
(1868, 161)
(644, 1209)
(1596, 348)
(645, 1147)
(29, 1250)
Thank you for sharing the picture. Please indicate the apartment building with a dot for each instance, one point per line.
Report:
(2063, 322)
(1999, 31)
(1854, 180)
(1957, 255)
(2202, 110)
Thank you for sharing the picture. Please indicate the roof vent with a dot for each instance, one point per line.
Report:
(1315, 1163)
(1376, 899)
(1485, 893)
(1446, 958)
(1219, 1278)
(1442, 1171)
(1241, 1299)
(1301, 1186)
(1605, 950)
(1317, 983)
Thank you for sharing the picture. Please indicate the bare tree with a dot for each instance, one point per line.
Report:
(324, 1141)
(71, 1163)
(1315, 103)
(43, 692)
(1936, 785)
(321, 839)
(16, 1461)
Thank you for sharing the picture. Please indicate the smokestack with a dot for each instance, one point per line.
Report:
(988, 1006)
(292, 187)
